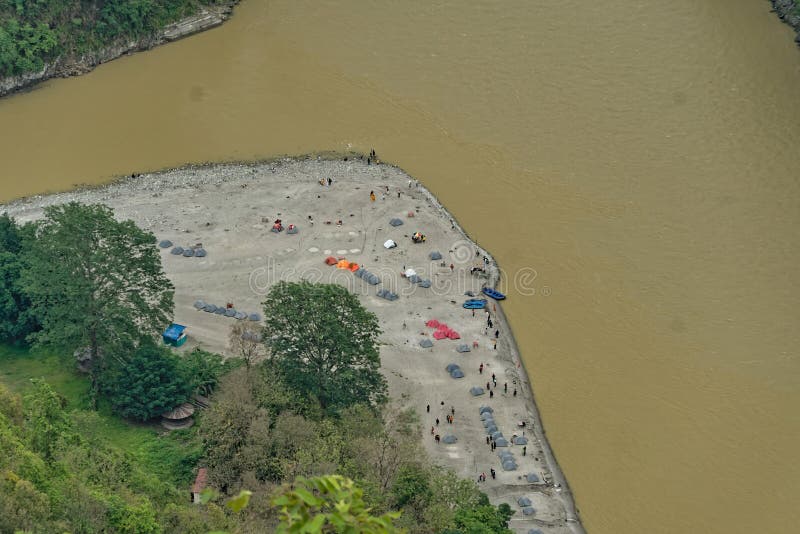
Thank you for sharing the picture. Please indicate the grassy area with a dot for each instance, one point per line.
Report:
(172, 456)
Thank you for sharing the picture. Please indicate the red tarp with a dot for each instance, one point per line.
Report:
(439, 335)
(330, 260)
(433, 323)
(452, 334)
(442, 326)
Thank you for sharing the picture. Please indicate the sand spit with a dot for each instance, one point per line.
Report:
(229, 210)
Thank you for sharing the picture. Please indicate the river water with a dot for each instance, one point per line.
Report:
(640, 157)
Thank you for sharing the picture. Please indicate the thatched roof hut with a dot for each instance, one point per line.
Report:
(177, 418)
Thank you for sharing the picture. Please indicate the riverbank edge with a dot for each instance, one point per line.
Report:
(65, 67)
(789, 12)
(559, 482)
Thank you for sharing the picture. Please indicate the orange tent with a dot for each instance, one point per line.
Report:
(343, 264)
(353, 267)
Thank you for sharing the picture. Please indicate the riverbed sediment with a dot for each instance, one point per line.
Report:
(230, 210)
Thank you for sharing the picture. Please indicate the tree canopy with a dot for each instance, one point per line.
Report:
(150, 383)
(94, 282)
(324, 343)
(16, 317)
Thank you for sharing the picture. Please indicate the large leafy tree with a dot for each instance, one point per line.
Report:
(324, 343)
(329, 504)
(151, 383)
(16, 317)
(95, 282)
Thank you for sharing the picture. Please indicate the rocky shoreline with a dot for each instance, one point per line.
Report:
(192, 204)
(789, 12)
(65, 67)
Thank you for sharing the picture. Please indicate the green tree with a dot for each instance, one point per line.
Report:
(151, 383)
(484, 518)
(324, 344)
(95, 281)
(203, 369)
(16, 317)
(329, 504)
(45, 418)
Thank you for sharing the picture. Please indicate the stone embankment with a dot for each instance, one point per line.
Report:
(65, 67)
(789, 12)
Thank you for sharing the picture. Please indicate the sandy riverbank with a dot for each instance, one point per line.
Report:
(230, 209)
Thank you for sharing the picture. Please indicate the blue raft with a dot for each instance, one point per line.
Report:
(475, 304)
(496, 295)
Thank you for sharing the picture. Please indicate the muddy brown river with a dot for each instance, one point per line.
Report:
(635, 162)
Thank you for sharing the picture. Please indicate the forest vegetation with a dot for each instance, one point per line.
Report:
(297, 421)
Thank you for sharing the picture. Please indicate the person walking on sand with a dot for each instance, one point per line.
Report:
(437, 421)
(437, 438)
(452, 267)
(429, 408)
(496, 334)
(505, 387)
(515, 392)
(524, 450)
(495, 345)
(372, 196)
(480, 368)
(491, 394)
(494, 474)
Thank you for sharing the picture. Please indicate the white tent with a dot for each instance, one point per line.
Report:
(410, 272)
(389, 244)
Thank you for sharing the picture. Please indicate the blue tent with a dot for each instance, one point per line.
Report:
(175, 335)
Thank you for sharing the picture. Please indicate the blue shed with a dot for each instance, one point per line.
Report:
(175, 335)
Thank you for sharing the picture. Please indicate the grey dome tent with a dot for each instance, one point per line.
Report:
(188, 252)
(388, 295)
(449, 438)
(165, 244)
(475, 390)
(199, 304)
(463, 348)
(509, 465)
(176, 251)
(220, 310)
(230, 312)
(425, 283)
(501, 442)
(486, 415)
(528, 510)
(491, 428)
(524, 501)
(452, 366)
(484, 409)
(292, 230)
(520, 440)
(435, 255)
(456, 373)
(396, 222)
(200, 253)
(535, 531)
(532, 478)
(414, 278)
(254, 317)
(426, 343)
(240, 315)
(497, 435)
(360, 272)
(488, 422)
(210, 308)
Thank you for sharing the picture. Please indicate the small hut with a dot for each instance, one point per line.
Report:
(199, 484)
(175, 335)
(178, 418)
